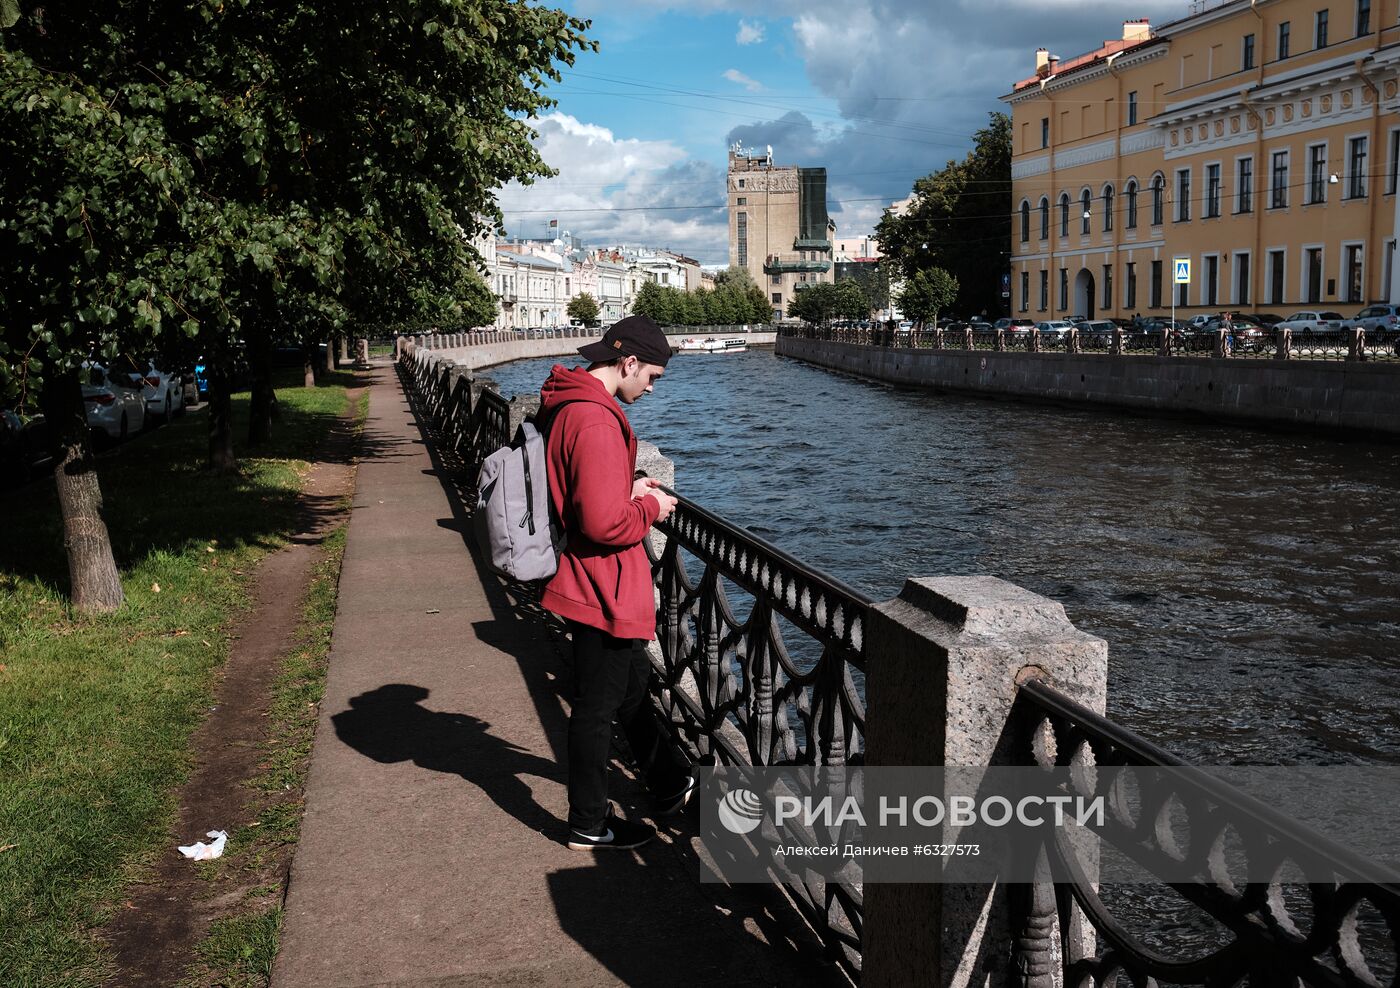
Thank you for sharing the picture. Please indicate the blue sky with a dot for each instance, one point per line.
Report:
(877, 91)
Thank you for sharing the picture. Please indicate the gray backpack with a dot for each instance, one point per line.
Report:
(515, 527)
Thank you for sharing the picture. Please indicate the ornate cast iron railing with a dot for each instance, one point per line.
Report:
(1265, 943)
(1348, 344)
(735, 692)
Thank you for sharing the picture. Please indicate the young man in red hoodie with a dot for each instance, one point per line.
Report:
(603, 588)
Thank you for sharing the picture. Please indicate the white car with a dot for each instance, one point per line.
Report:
(163, 392)
(112, 408)
(1054, 330)
(1312, 321)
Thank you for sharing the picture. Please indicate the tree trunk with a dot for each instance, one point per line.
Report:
(344, 349)
(308, 365)
(221, 458)
(95, 584)
(330, 355)
(263, 403)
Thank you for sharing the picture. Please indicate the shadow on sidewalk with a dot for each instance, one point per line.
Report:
(389, 724)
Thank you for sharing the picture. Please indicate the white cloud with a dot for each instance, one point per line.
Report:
(752, 85)
(618, 190)
(750, 33)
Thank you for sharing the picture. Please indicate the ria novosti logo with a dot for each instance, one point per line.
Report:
(740, 811)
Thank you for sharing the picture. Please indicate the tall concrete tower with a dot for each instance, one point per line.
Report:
(779, 230)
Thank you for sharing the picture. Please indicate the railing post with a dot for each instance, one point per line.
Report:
(1001, 341)
(1165, 348)
(1072, 340)
(1222, 343)
(1356, 350)
(945, 659)
(1115, 343)
(1283, 344)
(1033, 340)
(940, 340)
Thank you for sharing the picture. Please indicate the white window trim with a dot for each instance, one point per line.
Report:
(1254, 182)
(1341, 272)
(1303, 285)
(1234, 279)
(1218, 268)
(1080, 203)
(1205, 189)
(1307, 178)
(1177, 203)
(1108, 199)
(1166, 195)
(1287, 172)
(1346, 166)
(1269, 252)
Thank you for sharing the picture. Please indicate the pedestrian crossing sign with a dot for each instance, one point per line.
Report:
(1182, 270)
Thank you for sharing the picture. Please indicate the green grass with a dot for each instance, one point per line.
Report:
(96, 712)
(243, 948)
(239, 950)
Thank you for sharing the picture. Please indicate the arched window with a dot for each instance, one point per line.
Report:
(1086, 200)
(1158, 188)
(1044, 218)
(1108, 209)
(1025, 220)
(1130, 193)
(1064, 214)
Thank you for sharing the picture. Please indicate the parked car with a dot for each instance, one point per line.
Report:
(1373, 318)
(1245, 335)
(1197, 321)
(25, 447)
(1266, 318)
(113, 408)
(1015, 327)
(163, 391)
(1312, 321)
(1098, 332)
(1054, 331)
(978, 326)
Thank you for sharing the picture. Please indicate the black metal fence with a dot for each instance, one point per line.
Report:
(1242, 342)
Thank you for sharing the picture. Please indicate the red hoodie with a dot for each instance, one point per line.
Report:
(604, 577)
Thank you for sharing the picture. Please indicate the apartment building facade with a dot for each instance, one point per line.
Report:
(1258, 139)
(779, 230)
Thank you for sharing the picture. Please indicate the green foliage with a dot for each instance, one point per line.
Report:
(961, 220)
(927, 293)
(851, 301)
(874, 282)
(584, 308)
(735, 301)
(189, 171)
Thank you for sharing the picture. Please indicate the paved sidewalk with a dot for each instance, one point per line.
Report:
(431, 848)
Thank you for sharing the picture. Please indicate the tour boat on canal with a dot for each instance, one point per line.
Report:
(712, 345)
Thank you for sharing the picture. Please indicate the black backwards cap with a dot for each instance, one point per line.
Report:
(635, 336)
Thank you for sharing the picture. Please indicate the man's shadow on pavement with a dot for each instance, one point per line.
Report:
(389, 724)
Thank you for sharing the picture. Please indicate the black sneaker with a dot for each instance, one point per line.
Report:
(673, 803)
(616, 834)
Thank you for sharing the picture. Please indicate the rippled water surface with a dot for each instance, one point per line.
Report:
(1248, 582)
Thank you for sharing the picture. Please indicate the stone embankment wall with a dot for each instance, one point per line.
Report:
(1341, 394)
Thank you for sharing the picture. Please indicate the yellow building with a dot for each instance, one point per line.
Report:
(1258, 138)
(779, 230)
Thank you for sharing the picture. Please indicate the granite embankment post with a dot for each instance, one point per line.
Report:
(946, 658)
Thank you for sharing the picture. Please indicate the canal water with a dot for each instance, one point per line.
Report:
(1247, 581)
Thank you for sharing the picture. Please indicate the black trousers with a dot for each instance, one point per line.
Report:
(610, 683)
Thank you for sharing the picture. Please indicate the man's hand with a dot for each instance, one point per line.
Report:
(644, 486)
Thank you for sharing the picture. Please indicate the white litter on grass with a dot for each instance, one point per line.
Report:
(201, 851)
